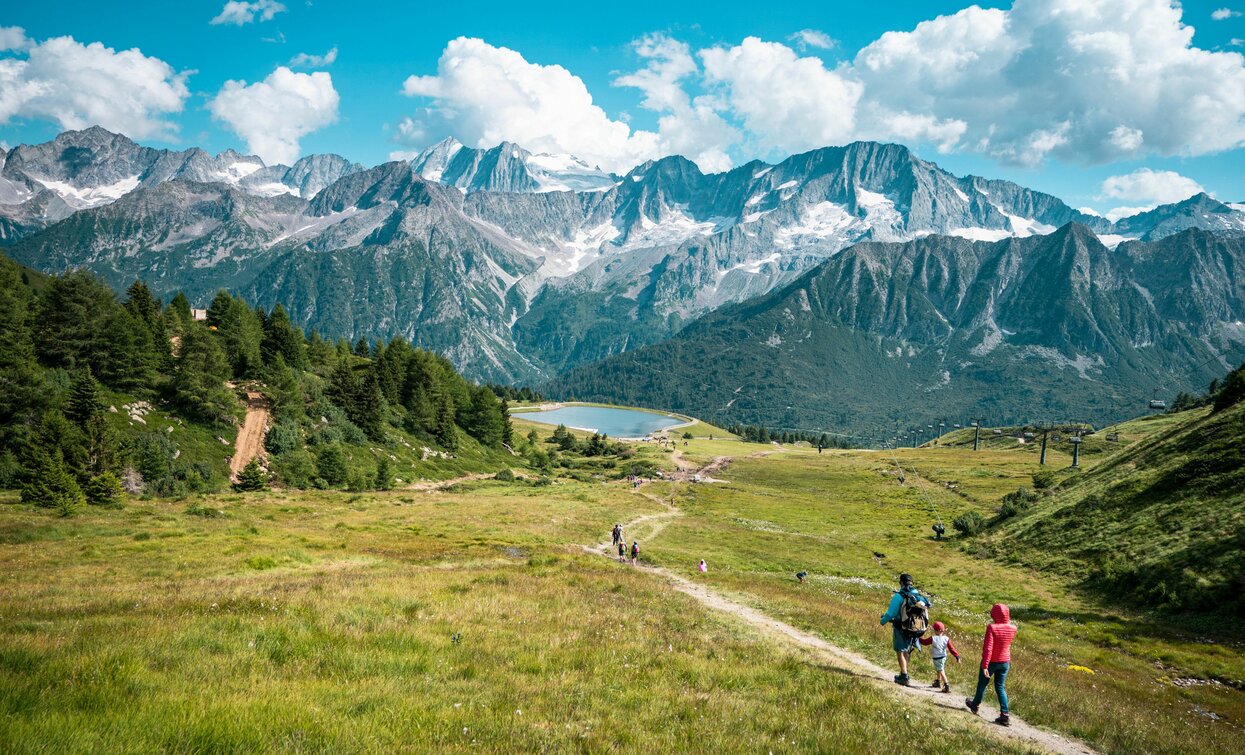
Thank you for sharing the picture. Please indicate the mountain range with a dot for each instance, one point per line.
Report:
(886, 337)
(521, 266)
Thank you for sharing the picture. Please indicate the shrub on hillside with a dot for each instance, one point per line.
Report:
(331, 466)
(282, 438)
(103, 490)
(295, 470)
(505, 475)
(969, 523)
(52, 486)
(1233, 390)
(1017, 503)
(1044, 479)
(358, 482)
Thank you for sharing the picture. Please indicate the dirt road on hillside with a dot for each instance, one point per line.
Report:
(863, 668)
(250, 441)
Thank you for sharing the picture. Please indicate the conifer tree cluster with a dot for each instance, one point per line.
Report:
(72, 352)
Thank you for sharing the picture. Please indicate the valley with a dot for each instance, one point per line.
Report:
(435, 618)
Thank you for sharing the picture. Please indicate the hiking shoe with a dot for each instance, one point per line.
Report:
(968, 701)
(901, 679)
(936, 684)
(946, 690)
(1003, 720)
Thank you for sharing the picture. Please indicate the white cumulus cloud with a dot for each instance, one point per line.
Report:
(805, 38)
(687, 126)
(13, 38)
(484, 95)
(77, 85)
(1087, 81)
(274, 114)
(1223, 14)
(785, 101)
(306, 60)
(1146, 189)
(242, 13)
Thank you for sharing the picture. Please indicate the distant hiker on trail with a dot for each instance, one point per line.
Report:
(939, 530)
(703, 566)
(616, 534)
(908, 615)
(941, 645)
(622, 552)
(635, 552)
(801, 576)
(996, 661)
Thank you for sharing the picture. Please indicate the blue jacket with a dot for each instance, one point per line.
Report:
(892, 611)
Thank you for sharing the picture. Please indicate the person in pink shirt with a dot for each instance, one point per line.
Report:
(996, 661)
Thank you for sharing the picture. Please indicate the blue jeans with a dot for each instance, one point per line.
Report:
(999, 672)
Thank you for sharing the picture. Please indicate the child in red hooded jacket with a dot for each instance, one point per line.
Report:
(996, 657)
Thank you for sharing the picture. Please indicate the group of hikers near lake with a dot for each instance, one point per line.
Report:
(908, 615)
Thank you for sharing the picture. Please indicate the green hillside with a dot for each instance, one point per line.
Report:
(1159, 523)
(104, 396)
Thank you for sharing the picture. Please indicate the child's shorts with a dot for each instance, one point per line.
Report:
(940, 664)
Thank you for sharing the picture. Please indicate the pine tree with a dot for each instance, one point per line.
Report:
(384, 473)
(369, 408)
(70, 320)
(22, 397)
(281, 337)
(444, 430)
(241, 334)
(252, 478)
(331, 465)
(200, 375)
(507, 429)
(143, 305)
(103, 489)
(53, 486)
(361, 348)
(220, 306)
(179, 311)
(84, 401)
(283, 389)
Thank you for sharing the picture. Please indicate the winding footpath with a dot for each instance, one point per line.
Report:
(859, 666)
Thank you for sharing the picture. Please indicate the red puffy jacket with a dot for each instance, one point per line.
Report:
(997, 646)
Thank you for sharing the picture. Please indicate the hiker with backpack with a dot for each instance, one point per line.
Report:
(996, 661)
(616, 534)
(622, 552)
(908, 615)
(635, 552)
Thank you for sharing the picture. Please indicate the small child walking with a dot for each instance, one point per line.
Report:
(940, 645)
(703, 566)
(635, 552)
(996, 657)
(622, 552)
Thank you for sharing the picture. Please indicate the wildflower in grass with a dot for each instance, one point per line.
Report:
(1082, 669)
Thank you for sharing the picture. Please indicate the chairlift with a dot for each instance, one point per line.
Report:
(1157, 403)
(998, 431)
(1113, 437)
(1028, 436)
(1056, 438)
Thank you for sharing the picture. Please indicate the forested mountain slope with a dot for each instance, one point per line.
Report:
(886, 337)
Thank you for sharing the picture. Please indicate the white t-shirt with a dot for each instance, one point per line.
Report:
(938, 645)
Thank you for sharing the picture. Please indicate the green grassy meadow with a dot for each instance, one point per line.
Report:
(468, 618)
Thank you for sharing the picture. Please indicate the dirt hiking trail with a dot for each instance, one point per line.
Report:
(250, 442)
(818, 648)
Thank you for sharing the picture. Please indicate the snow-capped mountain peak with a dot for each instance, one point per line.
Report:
(507, 167)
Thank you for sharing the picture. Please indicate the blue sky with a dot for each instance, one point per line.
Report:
(704, 95)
